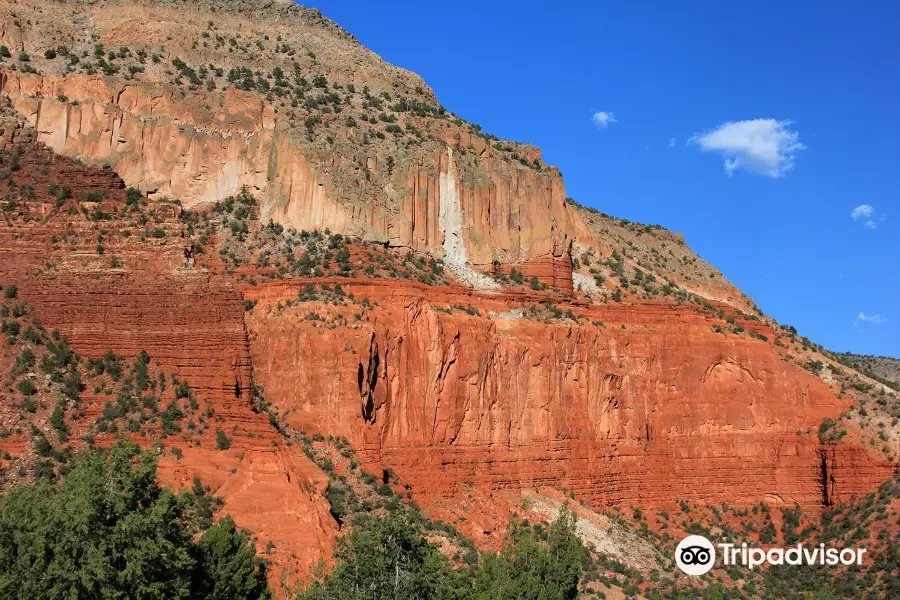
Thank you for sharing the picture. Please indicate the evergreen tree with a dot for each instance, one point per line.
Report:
(530, 569)
(390, 559)
(110, 531)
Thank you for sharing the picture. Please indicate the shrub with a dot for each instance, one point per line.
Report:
(42, 446)
(222, 441)
(140, 370)
(26, 388)
(132, 196)
(63, 193)
(58, 421)
(390, 558)
(182, 390)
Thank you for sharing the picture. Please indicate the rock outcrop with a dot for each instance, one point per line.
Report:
(203, 147)
(650, 406)
(135, 294)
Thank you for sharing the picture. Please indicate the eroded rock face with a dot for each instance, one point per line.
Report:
(651, 407)
(637, 404)
(205, 146)
(138, 295)
(468, 401)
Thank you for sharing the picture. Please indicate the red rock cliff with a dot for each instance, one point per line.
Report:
(651, 406)
(191, 324)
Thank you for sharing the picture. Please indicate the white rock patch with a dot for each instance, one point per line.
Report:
(585, 283)
(451, 224)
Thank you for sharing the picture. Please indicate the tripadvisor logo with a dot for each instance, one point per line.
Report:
(696, 555)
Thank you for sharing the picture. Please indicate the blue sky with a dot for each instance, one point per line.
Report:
(817, 84)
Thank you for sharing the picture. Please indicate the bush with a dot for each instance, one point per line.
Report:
(182, 390)
(391, 558)
(50, 53)
(42, 446)
(4, 52)
(11, 292)
(26, 388)
(140, 370)
(132, 196)
(63, 193)
(222, 441)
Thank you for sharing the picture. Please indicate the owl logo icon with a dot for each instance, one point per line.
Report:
(695, 555)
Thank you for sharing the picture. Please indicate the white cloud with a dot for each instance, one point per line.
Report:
(671, 142)
(863, 210)
(761, 146)
(871, 318)
(602, 119)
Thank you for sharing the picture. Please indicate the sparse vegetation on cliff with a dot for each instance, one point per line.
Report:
(50, 380)
(273, 252)
(365, 143)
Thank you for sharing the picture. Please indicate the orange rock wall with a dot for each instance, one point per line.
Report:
(553, 271)
(660, 409)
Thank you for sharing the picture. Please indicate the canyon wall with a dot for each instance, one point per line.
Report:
(189, 321)
(204, 146)
(460, 393)
(650, 406)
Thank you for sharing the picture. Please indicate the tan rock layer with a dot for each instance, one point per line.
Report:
(203, 147)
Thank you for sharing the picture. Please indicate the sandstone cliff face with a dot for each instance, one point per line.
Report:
(203, 147)
(365, 149)
(660, 409)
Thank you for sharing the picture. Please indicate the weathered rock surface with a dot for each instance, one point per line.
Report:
(190, 323)
(651, 407)
(170, 145)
